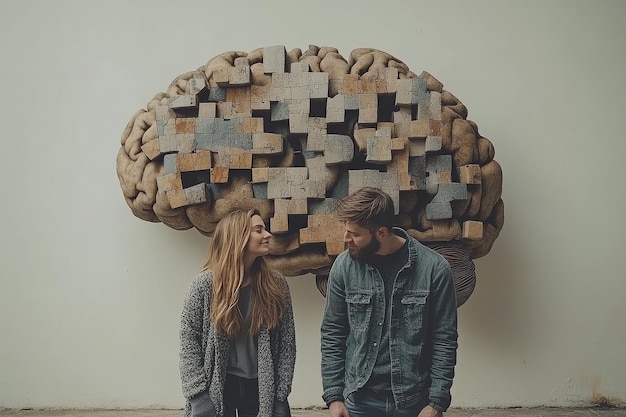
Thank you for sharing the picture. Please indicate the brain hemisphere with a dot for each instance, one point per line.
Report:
(291, 133)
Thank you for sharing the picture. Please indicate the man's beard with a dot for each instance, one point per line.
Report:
(362, 253)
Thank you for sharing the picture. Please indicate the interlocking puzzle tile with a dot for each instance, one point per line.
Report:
(338, 149)
(260, 175)
(316, 142)
(278, 189)
(151, 149)
(279, 111)
(318, 85)
(435, 105)
(176, 198)
(325, 206)
(182, 101)
(435, 165)
(242, 109)
(417, 146)
(169, 182)
(226, 110)
(197, 83)
(167, 143)
(440, 207)
(259, 97)
(260, 191)
(267, 143)
(417, 172)
(217, 94)
(237, 94)
(219, 174)
(169, 163)
(314, 188)
(299, 67)
(240, 74)
(299, 122)
(250, 125)
(433, 143)
(206, 124)
(419, 129)
(368, 84)
(335, 109)
(197, 194)
(352, 84)
(279, 223)
(198, 161)
(470, 174)
(402, 116)
(186, 125)
(274, 59)
(398, 144)
(472, 230)
(290, 206)
(163, 113)
(185, 142)
(378, 148)
(390, 75)
(368, 108)
(221, 76)
(207, 110)
(423, 111)
(411, 91)
(351, 101)
(438, 210)
(361, 136)
(234, 158)
(450, 191)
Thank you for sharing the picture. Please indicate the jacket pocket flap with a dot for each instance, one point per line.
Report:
(358, 298)
(418, 297)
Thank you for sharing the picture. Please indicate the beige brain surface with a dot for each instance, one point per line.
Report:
(291, 133)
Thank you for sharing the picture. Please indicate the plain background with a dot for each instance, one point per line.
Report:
(90, 296)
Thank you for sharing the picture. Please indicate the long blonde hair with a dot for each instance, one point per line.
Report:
(225, 260)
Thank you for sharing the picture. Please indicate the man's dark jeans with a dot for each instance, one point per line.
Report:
(369, 404)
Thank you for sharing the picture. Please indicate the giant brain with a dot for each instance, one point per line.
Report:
(291, 133)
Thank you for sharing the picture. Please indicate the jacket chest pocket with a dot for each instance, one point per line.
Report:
(359, 310)
(414, 308)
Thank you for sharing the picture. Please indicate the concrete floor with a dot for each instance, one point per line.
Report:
(494, 412)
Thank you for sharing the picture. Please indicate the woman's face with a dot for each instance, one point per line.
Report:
(259, 240)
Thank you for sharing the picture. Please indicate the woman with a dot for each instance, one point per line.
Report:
(237, 330)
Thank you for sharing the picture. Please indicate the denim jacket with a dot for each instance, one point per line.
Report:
(423, 328)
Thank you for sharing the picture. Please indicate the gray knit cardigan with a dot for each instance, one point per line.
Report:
(204, 352)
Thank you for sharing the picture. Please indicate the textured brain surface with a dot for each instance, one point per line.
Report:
(291, 133)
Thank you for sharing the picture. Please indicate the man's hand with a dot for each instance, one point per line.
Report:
(429, 411)
(338, 409)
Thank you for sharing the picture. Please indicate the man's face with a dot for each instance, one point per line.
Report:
(360, 241)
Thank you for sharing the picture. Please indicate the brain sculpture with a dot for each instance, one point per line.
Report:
(291, 133)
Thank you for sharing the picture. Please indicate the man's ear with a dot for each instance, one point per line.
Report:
(382, 232)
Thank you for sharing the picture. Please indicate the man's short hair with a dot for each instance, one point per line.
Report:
(368, 207)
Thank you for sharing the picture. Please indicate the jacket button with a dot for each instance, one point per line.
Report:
(375, 344)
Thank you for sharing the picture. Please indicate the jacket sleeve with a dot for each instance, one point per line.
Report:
(286, 350)
(444, 338)
(192, 373)
(334, 333)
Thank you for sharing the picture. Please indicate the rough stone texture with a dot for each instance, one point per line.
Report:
(249, 103)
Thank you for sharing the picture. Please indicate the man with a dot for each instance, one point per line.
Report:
(389, 332)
